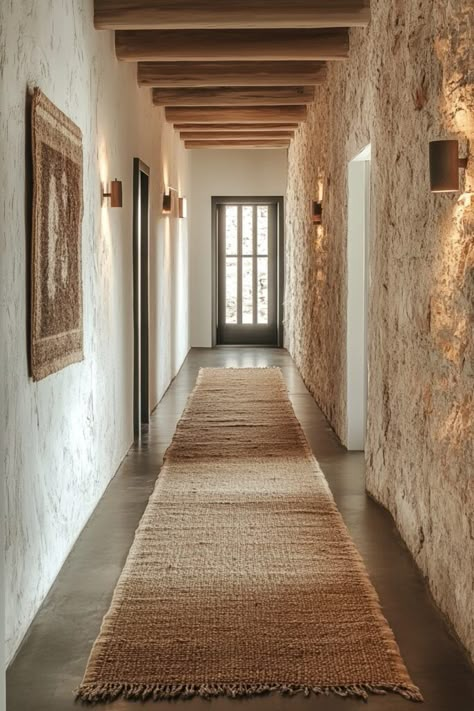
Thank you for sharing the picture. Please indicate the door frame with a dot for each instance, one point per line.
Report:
(279, 201)
(141, 298)
(359, 228)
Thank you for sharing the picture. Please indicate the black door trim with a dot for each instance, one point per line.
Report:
(141, 299)
(278, 200)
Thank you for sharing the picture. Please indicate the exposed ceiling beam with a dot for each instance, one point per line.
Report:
(233, 135)
(238, 96)
(231, 45)
(226, 114)
(239, 143)
(236, 127)
(199, 74)
(221, 14)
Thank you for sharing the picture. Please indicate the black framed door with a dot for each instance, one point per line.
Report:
(247, 263)
(141, 306)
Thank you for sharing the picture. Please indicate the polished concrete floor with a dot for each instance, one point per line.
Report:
(53, 656)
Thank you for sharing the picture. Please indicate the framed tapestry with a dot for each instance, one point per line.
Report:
(56, 266)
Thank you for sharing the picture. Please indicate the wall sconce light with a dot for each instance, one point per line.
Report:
(182, 207)
(166, 203)
(115, 193)
(444, 166)
(316, 212)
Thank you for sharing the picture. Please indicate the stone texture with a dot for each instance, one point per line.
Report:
(408, 80)
(62, 439)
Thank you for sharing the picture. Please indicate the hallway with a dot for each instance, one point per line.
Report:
(248, 183)
(52, 658)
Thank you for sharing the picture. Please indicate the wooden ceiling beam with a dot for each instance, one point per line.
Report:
(242, 115)
(222, 14)
(239, 143)
(231, 45)
(204, 128)
(234, 135)
(238, 96)
(201, 74)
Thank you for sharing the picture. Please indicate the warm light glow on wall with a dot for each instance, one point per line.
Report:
(166, 174)
(320, 188)
(316, 205)
(167, 249)
(103, 162)
(105, 231)
(450, 326)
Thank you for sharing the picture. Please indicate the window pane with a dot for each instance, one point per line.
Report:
(231, 290)
(247, 284)
(262, 286)
(262, 229)
(247, 229)
(231, 229)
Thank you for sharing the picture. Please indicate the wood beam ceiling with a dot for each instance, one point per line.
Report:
(239, 72)
(200, 74)
(238, 96)
(222, 14)
(235, 127)
(239, 143)
(242, 115)
(231, 45)
(234, 135)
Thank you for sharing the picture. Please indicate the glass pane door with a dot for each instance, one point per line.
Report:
(247, 272)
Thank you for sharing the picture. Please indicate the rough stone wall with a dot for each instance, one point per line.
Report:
(408, 80)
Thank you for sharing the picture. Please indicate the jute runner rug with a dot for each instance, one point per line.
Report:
(242, 578)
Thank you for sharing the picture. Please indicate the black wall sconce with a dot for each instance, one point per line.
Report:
(166, 203)
(444, 166)
(115, 193)
(316, 212)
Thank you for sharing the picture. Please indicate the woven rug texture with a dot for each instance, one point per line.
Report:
(242, 577)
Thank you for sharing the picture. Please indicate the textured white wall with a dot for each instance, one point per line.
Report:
(222, 173)
(169, 285)
(66, 435)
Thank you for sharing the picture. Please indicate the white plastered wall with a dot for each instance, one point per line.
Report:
(64, 437)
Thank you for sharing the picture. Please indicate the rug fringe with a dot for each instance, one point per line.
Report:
(96, 693)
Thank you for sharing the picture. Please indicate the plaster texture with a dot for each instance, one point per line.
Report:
(408, 80)
(64, 437)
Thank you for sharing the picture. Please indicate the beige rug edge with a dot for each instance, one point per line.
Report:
(92, 692)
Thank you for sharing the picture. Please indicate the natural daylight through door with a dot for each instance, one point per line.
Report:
(251, 279)
(247, 272)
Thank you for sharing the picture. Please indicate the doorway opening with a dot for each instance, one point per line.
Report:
(358, 244)
(141, 313)
(248, 270)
